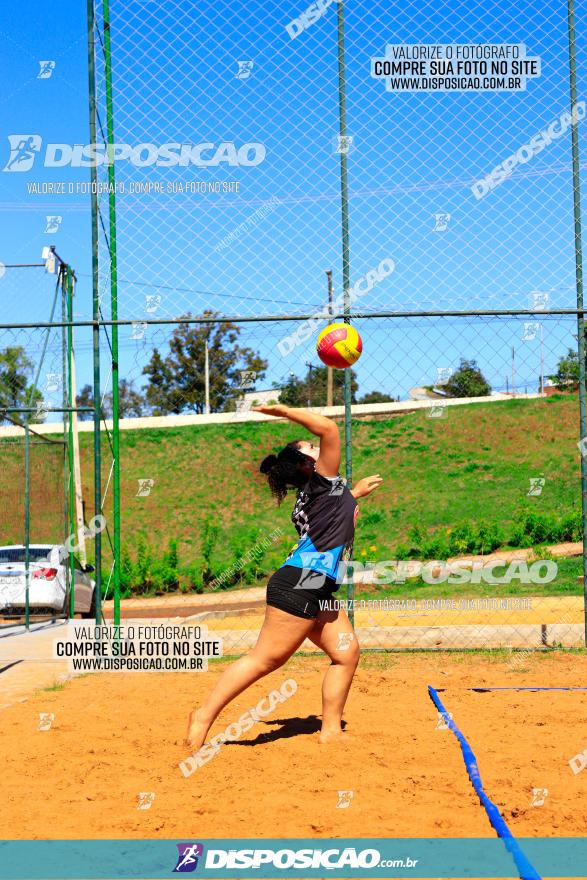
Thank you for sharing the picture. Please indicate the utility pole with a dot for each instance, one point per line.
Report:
(206, 378)
(513, 371)
(329, 371)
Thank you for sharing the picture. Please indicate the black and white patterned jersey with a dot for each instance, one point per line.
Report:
(324, 516)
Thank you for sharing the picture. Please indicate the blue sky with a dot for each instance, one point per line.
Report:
(414, 155)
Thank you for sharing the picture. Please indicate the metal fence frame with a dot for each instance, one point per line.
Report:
(107, 131)
(65, 284)
(104, 328)
(105, 223)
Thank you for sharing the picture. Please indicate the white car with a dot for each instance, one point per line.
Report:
(48, 564)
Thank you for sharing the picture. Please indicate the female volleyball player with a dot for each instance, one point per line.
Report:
(299, 591)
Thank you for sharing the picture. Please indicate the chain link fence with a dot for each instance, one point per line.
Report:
(228, 159)
(233, 138)
(460, 546)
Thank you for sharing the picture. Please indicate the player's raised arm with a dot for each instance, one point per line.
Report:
(328, 462)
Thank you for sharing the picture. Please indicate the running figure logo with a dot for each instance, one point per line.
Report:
(46, 719)
(539, 795)
(337, 487)
(343, 144)
(41, 410)
(138, 329)
(345, 640)
(187, 860)
(53, 382)
(444, 718)
(152, 302)
(145, 800)
(248, 378)
(53, 223)
(145, 487)
(441, 222)
(344, 799)
(531, 328)
(539, 300)
(536, 486)
(438, 410)
(46, 69)
(245, 69)
(443, 374)
(23, 150)
(312, 575)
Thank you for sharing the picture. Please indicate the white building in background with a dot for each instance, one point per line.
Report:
(260, 398)
(421, 393)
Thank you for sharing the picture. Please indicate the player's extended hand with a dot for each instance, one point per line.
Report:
(366, 486)
(274, 409)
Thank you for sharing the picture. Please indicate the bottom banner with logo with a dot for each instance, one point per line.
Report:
(530, 858)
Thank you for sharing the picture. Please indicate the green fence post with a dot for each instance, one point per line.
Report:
(64, 405)
(95, 310)
(70, 403)
(114, 315)
(579, 285)
(346, 273)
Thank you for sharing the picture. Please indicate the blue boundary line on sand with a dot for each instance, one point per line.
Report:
(482, 690)
(525, 869)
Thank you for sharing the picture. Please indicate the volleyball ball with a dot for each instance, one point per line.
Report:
(339, 346)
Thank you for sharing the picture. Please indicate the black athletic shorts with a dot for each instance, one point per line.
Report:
(299, 591)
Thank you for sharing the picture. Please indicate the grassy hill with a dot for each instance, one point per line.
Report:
(453, 485)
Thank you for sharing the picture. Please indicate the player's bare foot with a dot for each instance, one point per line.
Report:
(197, 731)
(334, 735)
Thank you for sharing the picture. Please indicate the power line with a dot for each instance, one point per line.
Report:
(205, 293)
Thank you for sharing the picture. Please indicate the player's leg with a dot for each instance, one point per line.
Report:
(280, 636)
(334, 634)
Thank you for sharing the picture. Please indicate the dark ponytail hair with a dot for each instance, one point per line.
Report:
(289, 469)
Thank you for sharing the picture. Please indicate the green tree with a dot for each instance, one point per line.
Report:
(376, 397)
(176, 380)
(16, 370)
(131, 403)
(85, 397)
(312, 390)
(467, 381)
(566, 377)
(291, 393)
